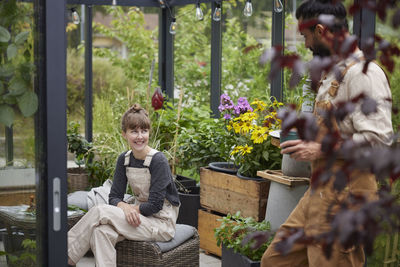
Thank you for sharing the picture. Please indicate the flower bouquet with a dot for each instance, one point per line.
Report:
(250, 125)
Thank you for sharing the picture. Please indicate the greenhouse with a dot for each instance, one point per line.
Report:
(250, 132)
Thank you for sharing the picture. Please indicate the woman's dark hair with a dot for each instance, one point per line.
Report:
(311, 9)
(135, 117)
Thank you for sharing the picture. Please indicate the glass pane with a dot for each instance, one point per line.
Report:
(17, 148)
(244, 39)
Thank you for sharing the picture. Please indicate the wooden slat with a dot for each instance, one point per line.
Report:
(227, 193)
(278, 177)
(207, 223)
(231, 182)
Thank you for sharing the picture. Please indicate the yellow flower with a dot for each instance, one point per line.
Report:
(236, 150)
(242, 150)
(248, 116)
(237, 126)
(246, 150)
(229, 126)
(260, 105)
(246, 127)
(259, 135)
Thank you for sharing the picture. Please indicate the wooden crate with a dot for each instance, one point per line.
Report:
(207, 223)
(226, 193)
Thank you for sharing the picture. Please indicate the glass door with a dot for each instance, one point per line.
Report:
(33, 215)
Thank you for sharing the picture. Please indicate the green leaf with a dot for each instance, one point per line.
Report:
(17, 86)
(21, 37)
(4, 35)
(1, 88)
(265, 155)
(6, 115)
(6, 71)
(28, 103)
(9, 99)
(11, 51)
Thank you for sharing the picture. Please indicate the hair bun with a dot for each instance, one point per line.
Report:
(136, 108)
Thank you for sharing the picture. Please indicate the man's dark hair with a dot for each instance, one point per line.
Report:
(311, 9)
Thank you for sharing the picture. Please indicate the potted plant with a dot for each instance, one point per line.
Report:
(77, 177)
(249, 125)
(237, 247)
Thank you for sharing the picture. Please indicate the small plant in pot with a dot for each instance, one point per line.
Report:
(81, 148)
(233, 235)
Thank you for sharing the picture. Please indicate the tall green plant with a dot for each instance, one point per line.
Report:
(16, 62)
(129, 28)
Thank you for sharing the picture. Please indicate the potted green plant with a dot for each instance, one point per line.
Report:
(233, 235)
(249, 126)
(78, 178)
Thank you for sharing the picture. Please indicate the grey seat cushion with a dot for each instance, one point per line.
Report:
(183, 233)
(79, 199)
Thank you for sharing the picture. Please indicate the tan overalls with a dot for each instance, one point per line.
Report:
(105, 225)
(312, 209)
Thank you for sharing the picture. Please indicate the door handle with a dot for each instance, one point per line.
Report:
(56, 204)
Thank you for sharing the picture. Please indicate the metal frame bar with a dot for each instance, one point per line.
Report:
(50, 132)
(278, 37)
(216, 63)
(88, 73)
(141, 3)
(9, 145)
(166, 54)
(364, 22)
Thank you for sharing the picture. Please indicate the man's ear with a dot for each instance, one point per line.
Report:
(319, 29)
(124, 134)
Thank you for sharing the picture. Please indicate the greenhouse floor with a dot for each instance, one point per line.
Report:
(205, 261)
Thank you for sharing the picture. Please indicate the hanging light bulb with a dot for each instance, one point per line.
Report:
(199, 12)
(278, 6)
(114, 2)
(172, 28)
(75, 16)
(162, 3)
(217, 13)
(248, 9)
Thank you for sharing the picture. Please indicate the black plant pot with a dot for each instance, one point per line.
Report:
(182, 181)
(232, 259)
(249, 178)
(190, 204)
(226, 167)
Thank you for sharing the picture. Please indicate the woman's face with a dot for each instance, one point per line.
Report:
(138, 138)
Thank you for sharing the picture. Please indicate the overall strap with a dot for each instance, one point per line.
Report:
(333, 89)
(127, 157)
(149, 157)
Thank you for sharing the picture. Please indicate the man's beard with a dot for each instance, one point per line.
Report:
(321, 50)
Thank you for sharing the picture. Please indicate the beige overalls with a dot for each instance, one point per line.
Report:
(311, 212)
(105, 225)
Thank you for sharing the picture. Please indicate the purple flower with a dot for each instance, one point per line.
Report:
(225, 103)
(243, 106)
(227, 116)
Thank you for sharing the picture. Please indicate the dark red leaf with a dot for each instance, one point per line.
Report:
(157, 99)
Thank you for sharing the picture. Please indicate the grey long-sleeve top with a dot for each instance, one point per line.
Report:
(161, 183)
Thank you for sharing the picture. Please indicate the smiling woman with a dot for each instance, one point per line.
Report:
(154, 211)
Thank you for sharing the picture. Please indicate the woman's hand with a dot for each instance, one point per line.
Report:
(132, 213)
(302, 151)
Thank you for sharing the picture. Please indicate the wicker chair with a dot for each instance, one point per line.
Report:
(146, 254)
